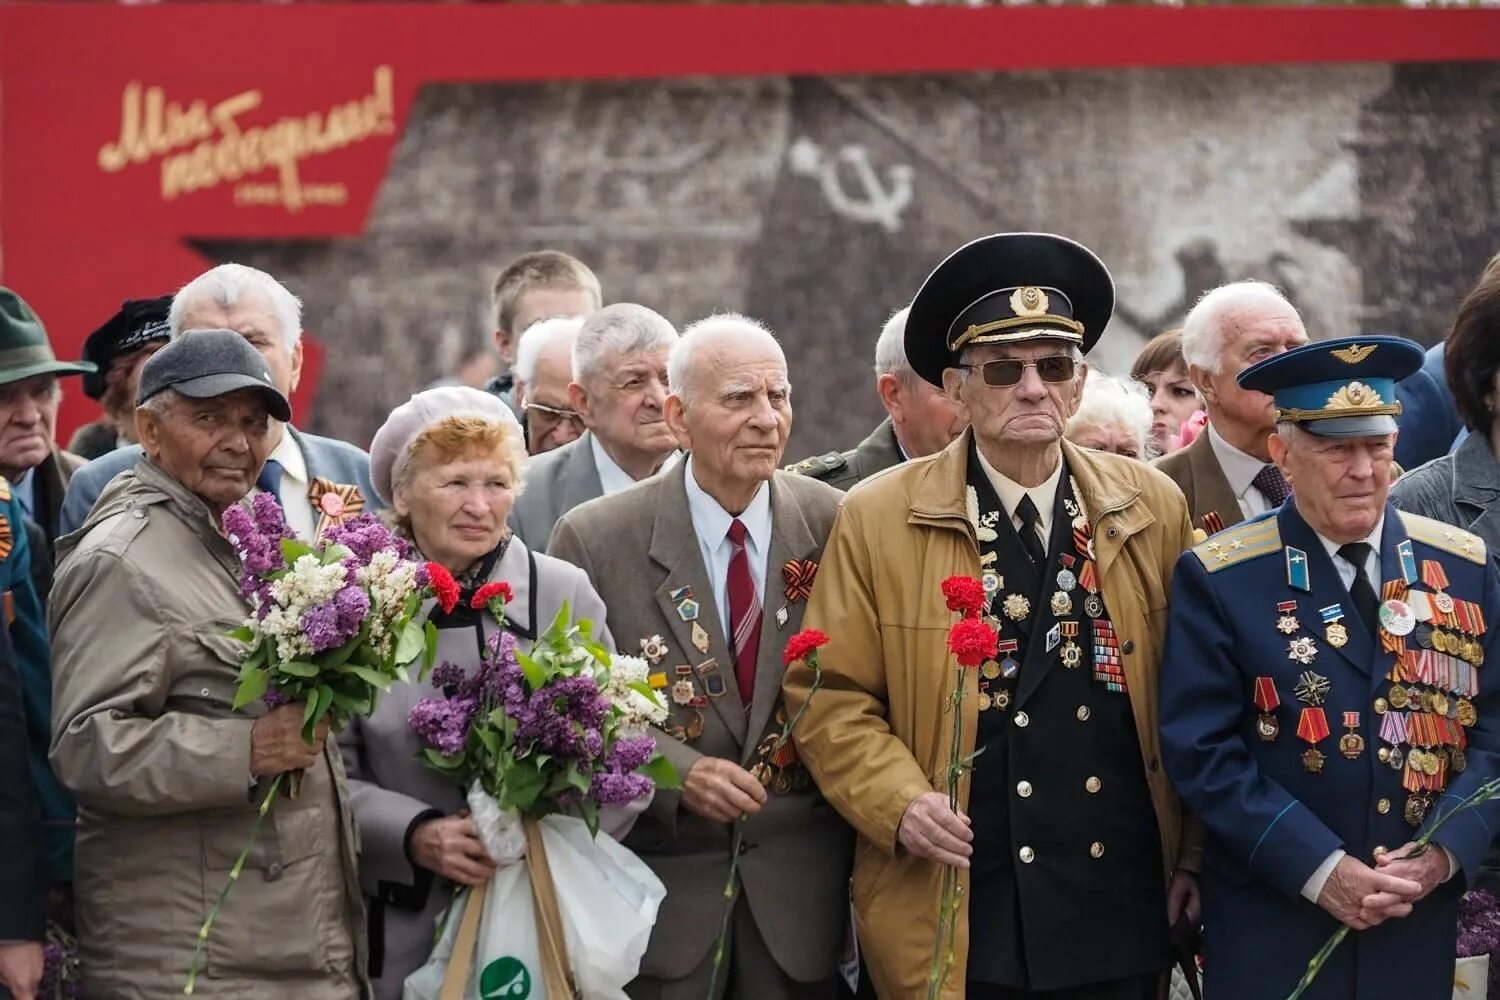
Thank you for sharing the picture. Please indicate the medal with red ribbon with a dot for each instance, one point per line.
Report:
(1312, 726)
(1351, 744)
(1266, 702)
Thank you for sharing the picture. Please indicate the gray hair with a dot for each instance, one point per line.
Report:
(890, 349)
(160, 404)
(1114, 402)
(618, 330)
(226, 285)
(1203, 330)
(710, 328)
(542, 334)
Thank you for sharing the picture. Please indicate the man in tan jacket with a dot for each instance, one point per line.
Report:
(1068, 839)
(166, 774)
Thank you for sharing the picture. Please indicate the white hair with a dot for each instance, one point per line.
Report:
(226, 285)
(1114, 402)
(890, 349)
(719, 326)
(544, 333)
(618, 330)
(1203, 330)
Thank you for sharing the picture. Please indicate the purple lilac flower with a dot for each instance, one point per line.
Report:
(629, 753)
(1478, 924)
(443, 723)
(364, 536)
(334, 622)
(446, 676)
(269, 517)
(558, 717)
(611, 789)
(274, 698)
(259, 552)
(352, 605)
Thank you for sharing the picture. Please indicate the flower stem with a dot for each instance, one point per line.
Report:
(234, 874)
(731, 893)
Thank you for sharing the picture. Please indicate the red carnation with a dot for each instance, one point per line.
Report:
(965, 594)
(972, 642)
(800, 645)
(491, 592)
(443, 586)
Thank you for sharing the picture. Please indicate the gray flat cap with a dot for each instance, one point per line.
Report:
(208, 363)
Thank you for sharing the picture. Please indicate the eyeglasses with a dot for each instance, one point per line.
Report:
(1003, 372)
(550, 416)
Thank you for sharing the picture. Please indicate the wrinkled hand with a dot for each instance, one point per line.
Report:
(21, 968)
(1183, 899)
(931, 830)
(721, 790)
(1428, 869)
(1358, 895)
(276, 742)
(451, 847)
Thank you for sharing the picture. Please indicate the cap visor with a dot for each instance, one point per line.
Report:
(1348, 427)
(47, 368)
(209, 386)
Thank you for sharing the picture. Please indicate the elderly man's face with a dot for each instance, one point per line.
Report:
(1030, 414)
(550, 420)
(1112, 438)
(538, 304)
(925, 418)
(1247, 339)
(623, 404)
(121, 386)
(252, 317)
(215, 447)
(738, 414)
(1339, 484)
(28, 418)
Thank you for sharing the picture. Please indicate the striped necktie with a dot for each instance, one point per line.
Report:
(744, 613)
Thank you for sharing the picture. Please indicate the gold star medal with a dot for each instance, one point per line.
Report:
(1016, 607)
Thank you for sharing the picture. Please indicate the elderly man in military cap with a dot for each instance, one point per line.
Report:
(164, 770)
(118, 349)
(1321, 705)
(1067, 838)
(920, 419)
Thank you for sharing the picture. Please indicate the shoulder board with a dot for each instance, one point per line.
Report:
(1239, 543)
(819, 465)
(4, 490)
(1455, 541)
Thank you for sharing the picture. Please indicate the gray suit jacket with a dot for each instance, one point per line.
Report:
(390, 788)
(556, 481)
(638, 546)
(326, 459)
(1461, 489)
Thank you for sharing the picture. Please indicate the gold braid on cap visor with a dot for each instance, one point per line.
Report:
(1043, 325)
(1353, 400)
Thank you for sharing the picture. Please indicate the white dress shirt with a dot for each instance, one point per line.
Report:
(295, 482)
(711, 525)
(1010, 492)
(612, 478)
(1240, 468)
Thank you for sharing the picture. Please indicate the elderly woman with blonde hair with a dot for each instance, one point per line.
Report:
(448, 462)
(1114, 416)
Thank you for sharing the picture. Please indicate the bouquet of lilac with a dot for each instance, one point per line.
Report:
(61, 977)
(1479, 933)
(561, 729)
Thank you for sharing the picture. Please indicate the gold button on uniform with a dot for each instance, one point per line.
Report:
(1083, 713)
(1096, 849)
(1383, 806)
(1379, 850)
(1027, 855)
(1093, 785)
(1023, 789)
(1023, 720)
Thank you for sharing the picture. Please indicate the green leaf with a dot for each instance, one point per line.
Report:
(309, 710)
(336, 659)
(374, 678)
(533, 672)
(661, 772)
(577, 779)
(429, 655)
(442, 763)
(259, 656)
(352, 704)
(488, 739)
(252, 686)
(244, 633)
(590, 810)
(335, 553)
(413, 640)
(297, 668)
(523, 784)
(293, 549)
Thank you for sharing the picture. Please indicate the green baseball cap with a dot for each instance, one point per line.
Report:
(24, 348)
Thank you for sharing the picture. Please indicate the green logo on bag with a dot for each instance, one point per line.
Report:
(505, 979)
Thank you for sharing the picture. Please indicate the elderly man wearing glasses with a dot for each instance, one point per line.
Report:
(544, 367)
(619, 383)
(1066, 834)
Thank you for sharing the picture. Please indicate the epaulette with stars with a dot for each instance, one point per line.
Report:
(1455, 541)
(1243, 541)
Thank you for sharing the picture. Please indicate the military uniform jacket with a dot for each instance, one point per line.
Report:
(1292, 730)
(641, 552)
(842, 470)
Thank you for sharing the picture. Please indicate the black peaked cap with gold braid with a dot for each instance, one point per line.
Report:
(1008, 288)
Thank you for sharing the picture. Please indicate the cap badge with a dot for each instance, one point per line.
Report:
(1354, 354)
(1029, 301)
(1354, 396)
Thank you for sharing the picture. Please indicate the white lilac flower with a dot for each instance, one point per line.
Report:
(638, 711)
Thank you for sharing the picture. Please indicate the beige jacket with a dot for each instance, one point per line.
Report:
(877, 734)
(145, 738)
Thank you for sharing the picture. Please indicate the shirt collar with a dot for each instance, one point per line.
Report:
(612, 478)
(1239, 467)
(1044, 497)
(1372, 540)
(289, 454)
(712, 521)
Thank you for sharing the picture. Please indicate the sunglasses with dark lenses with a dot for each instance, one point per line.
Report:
(1003, 372)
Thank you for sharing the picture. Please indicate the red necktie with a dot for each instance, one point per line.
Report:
(744, 613)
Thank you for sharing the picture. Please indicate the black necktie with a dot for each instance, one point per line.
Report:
(269, 479)
(1272, 485)
(1030, 541)
(1361, 590)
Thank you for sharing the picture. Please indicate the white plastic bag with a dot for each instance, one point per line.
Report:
(607, 897)
(1471, 978)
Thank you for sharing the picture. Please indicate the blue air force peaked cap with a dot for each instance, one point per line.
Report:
(1008, 288)
(1338, 388)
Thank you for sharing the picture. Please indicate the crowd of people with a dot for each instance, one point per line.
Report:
(1237, 598)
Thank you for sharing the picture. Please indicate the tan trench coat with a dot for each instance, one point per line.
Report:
(877, 734)
(144, 736)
